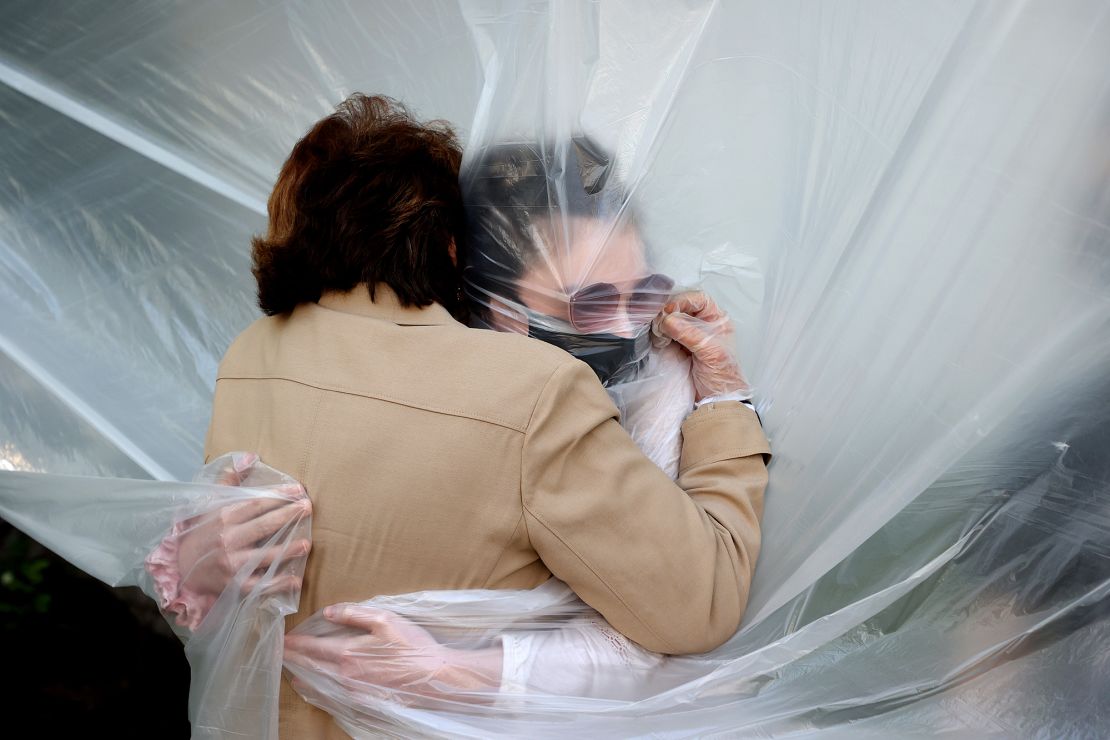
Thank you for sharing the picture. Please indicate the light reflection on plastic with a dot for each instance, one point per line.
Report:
(12, 459)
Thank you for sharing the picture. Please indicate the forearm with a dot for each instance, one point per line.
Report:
(724, 471)
(667, 565)
(585, 658)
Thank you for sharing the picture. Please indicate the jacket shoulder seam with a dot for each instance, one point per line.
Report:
(384, 397)
(543, 390)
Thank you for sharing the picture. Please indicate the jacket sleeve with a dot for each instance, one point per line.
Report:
(668, 565)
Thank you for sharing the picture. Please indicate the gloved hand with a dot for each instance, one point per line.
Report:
(204, 554)
(695, 321)
(380, 655)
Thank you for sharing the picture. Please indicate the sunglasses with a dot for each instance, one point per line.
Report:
(596, 306)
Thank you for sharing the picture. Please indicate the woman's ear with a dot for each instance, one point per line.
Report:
(453, 252)
(503, 317)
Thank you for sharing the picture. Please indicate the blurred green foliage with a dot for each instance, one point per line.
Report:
(25, 586)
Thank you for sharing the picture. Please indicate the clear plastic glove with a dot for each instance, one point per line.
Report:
(694, 320)
(361, 654)
(203, 555)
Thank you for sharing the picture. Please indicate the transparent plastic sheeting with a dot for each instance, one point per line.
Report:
(110, 528)
(904, 207)
(1003, 603)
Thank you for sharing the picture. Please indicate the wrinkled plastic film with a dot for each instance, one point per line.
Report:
(891, 300)
(961, 643)
(902, 208)
(116, 530)
(556, 246)
(897, 325)
(547, 637)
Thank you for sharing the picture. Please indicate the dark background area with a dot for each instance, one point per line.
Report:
(82, 659)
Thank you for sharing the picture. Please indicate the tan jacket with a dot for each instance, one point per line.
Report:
(443, 457)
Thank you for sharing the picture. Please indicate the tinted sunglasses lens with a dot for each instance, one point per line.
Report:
(650, 295)
(594, 306)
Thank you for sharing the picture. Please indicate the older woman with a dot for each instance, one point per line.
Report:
(438, 456)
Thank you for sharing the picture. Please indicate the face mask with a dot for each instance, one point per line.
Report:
(614, 358)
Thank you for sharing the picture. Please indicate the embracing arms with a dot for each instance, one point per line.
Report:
(668, 565)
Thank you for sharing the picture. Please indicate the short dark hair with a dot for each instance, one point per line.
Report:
(369, 195)
(507, 186)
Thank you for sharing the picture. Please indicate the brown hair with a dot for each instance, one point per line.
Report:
(369, 195)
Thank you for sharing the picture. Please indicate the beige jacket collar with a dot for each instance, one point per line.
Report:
(386, 306)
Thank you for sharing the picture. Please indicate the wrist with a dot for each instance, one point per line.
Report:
(476, 673)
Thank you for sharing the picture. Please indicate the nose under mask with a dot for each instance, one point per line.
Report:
(614, 358)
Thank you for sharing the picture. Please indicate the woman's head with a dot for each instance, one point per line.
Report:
(555, 252)
(369, 195)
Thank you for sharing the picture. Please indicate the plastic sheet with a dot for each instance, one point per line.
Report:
(967, 642)
(903, 207)
(110, 528)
